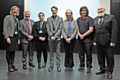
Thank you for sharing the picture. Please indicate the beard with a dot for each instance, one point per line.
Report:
(101, 14)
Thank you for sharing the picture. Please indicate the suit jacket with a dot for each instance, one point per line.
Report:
(24, 30)
(8, 26)
(58, 26)
(36, 29)
(74, 29)
(105, 32)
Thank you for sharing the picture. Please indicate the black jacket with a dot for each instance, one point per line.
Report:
(105, 32)
(36, 29)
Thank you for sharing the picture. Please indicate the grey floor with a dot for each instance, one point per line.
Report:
(43, 74)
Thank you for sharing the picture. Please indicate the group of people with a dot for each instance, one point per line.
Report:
(100, 32)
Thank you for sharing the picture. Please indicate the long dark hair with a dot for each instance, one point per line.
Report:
(84, 7)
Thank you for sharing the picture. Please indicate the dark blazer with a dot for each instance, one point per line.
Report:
(24, 30)
(105, 32)
(36, 29)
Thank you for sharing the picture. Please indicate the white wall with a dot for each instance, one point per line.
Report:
(105, 3)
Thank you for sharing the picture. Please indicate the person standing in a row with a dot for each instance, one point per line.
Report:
(41, 39)
(105, 40)
(11, 34)
(69, 31)
(26, 37)
(54, 26)
(85, 33)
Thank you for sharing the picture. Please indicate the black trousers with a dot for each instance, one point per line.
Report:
(108, 53)
(10, 55)
(69, 47)
(85, 47)
(41, 47)
(27, 47)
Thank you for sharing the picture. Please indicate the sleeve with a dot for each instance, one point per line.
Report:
(34, 30)
(113, 30)
(22, 31)
(91, 22)
(5, 27)
(59, 29)
(75, 31)
(63, 32)
(48, 28)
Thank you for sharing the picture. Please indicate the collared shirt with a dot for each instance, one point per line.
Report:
(83, 25)
(101, 18)
(69, 28)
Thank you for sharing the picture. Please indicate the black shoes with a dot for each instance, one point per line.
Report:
(24, 66)
(88, 70)
(43, 65)
(109, 75)
(80, 68)
(50, 68)
(10, 69)
(100, 72)
(69, 68)
(39, 65)
(14, 67)
(31, 64)
(58, 69)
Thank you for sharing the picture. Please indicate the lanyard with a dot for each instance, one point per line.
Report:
(15, 22)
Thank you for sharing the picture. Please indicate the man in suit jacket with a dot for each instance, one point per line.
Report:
(105, 39)
(27, 39)
(41, 39)
(54, 25)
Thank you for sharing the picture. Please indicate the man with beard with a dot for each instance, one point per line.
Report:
(105, 39)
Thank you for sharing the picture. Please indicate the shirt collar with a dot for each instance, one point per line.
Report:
(83, 18)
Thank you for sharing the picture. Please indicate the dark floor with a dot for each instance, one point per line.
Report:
(43, 74)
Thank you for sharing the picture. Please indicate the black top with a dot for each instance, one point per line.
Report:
(83, 26)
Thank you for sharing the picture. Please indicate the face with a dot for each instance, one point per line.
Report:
(15, 11)
(68, 14)
(83, 12)
(27, 15)
(54, 11)
(41, 17)
(101, 11)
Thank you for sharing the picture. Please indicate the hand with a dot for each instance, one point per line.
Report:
(30, 37)
(8, 40)
(112, 44)
(94, 43)
(53, 38)
(68, 40)
(43, 38)
(81, 36)
(40, 38)
(18, 41)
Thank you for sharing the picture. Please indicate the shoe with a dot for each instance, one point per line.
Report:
(10, 69)
(31, 64)
(43, 65)
(88, 70)
(80, 68)
(50, 68)
(109, 75)
(39, 65)
(100, 72)
(14, 67)
(58, 69)
(24, 66)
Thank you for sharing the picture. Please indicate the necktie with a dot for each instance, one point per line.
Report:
(29, 27)
(100, 21)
